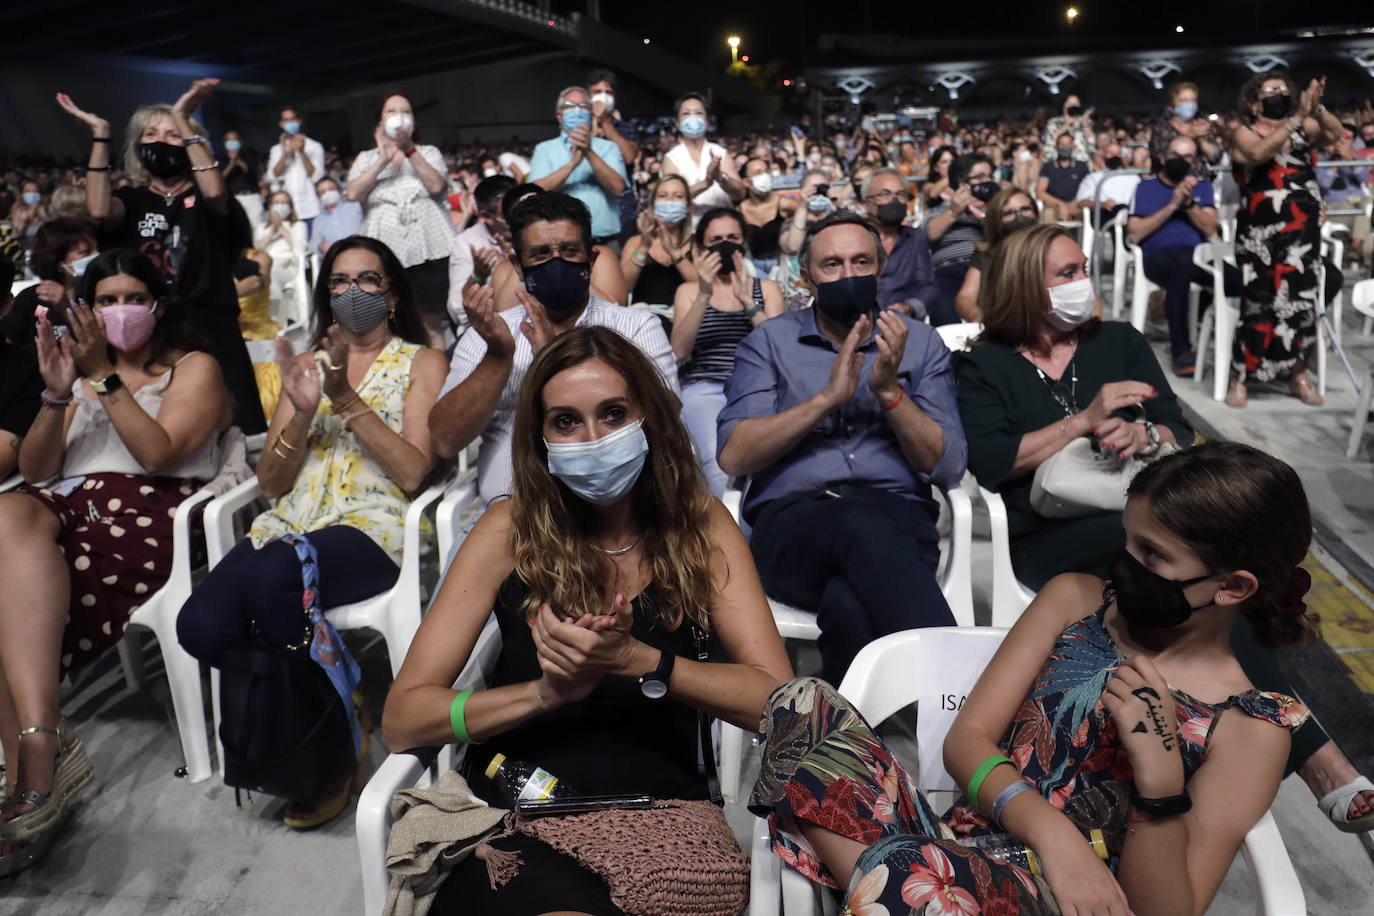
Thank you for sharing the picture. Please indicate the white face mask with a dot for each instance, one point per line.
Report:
(398, 124)
(330, 198)
(605, 98)
(762, 182)
(1071, 304)
(283, 211)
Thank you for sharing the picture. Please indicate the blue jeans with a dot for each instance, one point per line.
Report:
(702, 402)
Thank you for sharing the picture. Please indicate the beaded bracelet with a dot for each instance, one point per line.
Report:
(50, 401)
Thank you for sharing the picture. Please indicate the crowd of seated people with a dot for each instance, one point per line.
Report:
(635, 322)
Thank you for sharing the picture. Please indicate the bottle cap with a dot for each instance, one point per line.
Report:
(495, 765)
(1098, 843)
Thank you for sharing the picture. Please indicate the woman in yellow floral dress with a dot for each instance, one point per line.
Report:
(348, 445)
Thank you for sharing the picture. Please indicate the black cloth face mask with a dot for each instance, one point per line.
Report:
(983, 190)
(1176, 168)
(164, 160)
(1114, 163)
(726, 250)
(847, 299)
(1148, 600)
(891, 213)
(1276, 107)
(560, 286)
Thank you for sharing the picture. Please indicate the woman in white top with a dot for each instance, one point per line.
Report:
(129, 426)
(714, 180)
(286, 241)
(403, 189)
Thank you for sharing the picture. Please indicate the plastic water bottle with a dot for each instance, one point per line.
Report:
(1009, 848)
(520, 780)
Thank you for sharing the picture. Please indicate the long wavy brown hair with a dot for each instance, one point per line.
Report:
(552, 526)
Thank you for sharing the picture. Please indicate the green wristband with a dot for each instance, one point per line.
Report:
(456, 720)
(981, 773)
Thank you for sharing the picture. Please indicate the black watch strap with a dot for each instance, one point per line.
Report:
(654, 685)
(1162, 807)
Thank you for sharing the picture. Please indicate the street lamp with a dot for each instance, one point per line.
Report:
(733, 42)
(1072, 14)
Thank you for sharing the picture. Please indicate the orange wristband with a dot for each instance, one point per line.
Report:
(898, 400)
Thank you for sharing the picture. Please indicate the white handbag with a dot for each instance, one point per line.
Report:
(1078, 481)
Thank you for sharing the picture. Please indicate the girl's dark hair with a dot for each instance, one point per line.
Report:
(1239, 508)
(53, 240)
(172, 332)
(405, 320)
(714, 214)
(1249, 92)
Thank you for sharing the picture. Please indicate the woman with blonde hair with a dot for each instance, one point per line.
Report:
(628, 604)
(659, 258)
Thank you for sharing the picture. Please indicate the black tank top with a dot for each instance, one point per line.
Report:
(657, 284)
(763, 240)
(615, 740)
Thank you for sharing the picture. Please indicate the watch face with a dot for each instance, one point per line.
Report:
(653, 688)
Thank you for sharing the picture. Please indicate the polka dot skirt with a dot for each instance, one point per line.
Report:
(117, 537)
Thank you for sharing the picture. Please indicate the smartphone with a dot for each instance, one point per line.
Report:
(822, 190)
(534, 807)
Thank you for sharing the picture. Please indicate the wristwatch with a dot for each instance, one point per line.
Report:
(1152, 433)
(1162, 807)
(654, 685)
(109, 383)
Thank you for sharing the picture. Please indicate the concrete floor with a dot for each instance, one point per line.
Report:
(141, 841)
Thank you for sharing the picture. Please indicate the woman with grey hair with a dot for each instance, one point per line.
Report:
(177, 213)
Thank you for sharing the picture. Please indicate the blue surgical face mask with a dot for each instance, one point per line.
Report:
(292, 127)
(78, 267)
(821, 205)
(693, 126)
(573, 118)
(32, 197)
(670, 212)
(602, 471)
(1186, 110)
(233, 146)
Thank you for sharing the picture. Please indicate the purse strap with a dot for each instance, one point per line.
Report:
(708, 754)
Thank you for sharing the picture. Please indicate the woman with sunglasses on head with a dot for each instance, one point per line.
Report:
(347, 447)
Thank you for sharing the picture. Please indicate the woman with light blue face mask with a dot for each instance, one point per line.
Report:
(659, 257)
(713, 181)
(61, 250)
(1182, 118)
(630, 612)
(28, 212)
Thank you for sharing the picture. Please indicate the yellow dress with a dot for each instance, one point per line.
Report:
(256, 323)
(339, 483)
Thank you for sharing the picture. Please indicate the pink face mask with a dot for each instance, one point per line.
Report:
(128, 327)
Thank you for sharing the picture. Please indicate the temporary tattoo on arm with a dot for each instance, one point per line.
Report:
(1152, 706)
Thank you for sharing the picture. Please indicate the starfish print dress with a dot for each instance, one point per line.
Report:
(1278, 246)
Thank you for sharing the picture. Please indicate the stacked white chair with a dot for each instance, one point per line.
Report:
(1219, 321)
(1362, 299)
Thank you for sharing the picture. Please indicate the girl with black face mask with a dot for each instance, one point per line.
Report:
(1273, 152)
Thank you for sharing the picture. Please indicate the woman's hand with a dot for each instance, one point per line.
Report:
(1309, 99)
(1113, 396)
(52, 294)
(647, 224)
(1139, 702)
(91, 349)
(404, 142)
(1080, 880)
(741, 286)
(708, 266)
(1122, 436)
(302, 386)
(960, 200)
(194, 97)
(98, 125)
(575, 654)
(55, 362)
(333, 362)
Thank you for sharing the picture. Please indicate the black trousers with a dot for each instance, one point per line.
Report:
(865, 563)
(1173, 269)
(263, 587)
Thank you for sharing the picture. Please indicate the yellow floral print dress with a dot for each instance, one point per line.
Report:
(340, 484)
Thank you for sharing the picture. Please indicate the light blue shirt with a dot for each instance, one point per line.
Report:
(332, 225)
(551, 155)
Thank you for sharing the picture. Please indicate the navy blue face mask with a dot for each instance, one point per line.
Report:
(845, 300)
(559, 285)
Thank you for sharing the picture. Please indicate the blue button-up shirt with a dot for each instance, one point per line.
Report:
(552, 155)
(333, 225)
(908, 278)
(786, 360)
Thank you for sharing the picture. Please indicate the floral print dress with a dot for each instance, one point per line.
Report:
(340, 484)
(823, 763)
(1278, 245)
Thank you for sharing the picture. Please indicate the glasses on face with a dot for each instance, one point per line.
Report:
(569, 104)
(886, 197)
(369, 281)
(1019, 212)
(980, 178)
(568, 251)
(1267, 91)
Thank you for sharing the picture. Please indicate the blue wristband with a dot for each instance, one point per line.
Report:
(1005, 796)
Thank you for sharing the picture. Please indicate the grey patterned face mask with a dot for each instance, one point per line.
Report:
(358, 312)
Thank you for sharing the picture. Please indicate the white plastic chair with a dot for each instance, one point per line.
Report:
(1220, 320)
(1362, 298)
(1009, 596)
(394, 613)
(957, 336)
(1334, 246)
(372, 821)
(922, 666)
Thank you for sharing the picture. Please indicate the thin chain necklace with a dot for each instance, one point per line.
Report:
(619, 551)
(1070, 404)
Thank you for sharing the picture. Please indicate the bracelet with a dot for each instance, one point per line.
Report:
(281, 440)
(100, 139)
(981, 773)
(895, 401)
(1005, 796)
(50, 401)
(206, 168)
(456, 720)
(276, 450)
(413, 151)
(640, 257)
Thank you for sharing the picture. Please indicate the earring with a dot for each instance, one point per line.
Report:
(1221, 599)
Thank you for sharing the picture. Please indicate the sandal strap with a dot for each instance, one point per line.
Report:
(37, 729)
(1336, 803)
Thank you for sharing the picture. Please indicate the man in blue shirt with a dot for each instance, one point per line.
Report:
(1171, 214)
(338, 218)
(842, 432)
(581, 165)
(908, 280)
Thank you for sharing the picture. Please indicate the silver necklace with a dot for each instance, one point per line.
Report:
(1070, 404)
(618, 551)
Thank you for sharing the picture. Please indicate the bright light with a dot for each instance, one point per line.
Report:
(1178, 28)
(646, 41)
(745, 58)
(1072, 13)
(787, 82)
(733, 42)
(550, 22)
